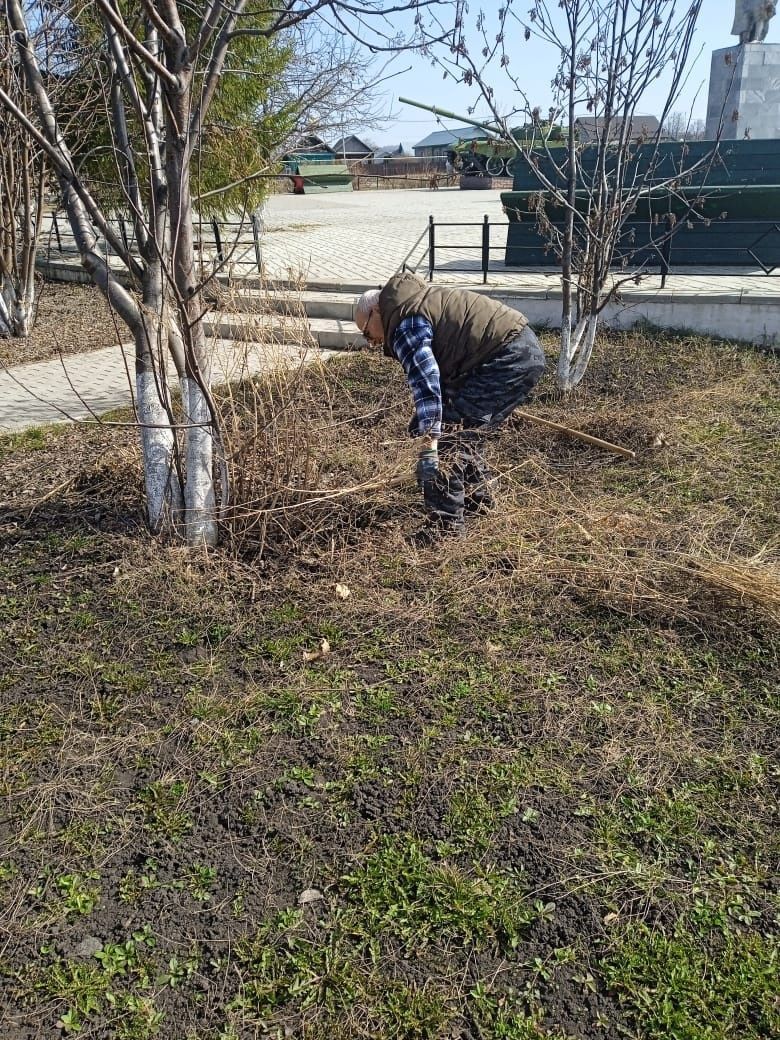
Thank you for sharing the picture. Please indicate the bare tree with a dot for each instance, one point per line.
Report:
(331, 79)
(24, 169)
(681, 126)
(22, 182)
(606, 54)
(162, 62)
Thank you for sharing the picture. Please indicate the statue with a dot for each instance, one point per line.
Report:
(751, 20)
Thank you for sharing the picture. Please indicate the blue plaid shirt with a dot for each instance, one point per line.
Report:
(412, 343)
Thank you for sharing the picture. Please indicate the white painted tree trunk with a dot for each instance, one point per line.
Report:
(576, 350)
(583, 355)
(17, 311)
(163, 491)
(6, 308)
(200, 514)
(200, 504)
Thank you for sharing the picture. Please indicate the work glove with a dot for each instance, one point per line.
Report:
(427, 466)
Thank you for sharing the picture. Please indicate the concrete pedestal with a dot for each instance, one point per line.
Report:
(745, 92)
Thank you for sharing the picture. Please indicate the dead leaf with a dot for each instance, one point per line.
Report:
(310, 895)
(342, 591)
(316, 655)
(611, 918)
(586, 536)
(493, 648)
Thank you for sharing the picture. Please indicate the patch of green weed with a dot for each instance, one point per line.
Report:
(164, 805)
(32, 439)
(689, 986)
(506, 1016)
(422, 900)
(116, 983)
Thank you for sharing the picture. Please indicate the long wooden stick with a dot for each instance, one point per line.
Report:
(616, 449)
(578, 434)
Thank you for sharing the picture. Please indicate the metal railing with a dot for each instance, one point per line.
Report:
(429, 257)
(219, 243)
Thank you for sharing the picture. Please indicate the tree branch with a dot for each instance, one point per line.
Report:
(135, 44)
(213, 72)
(64, 167)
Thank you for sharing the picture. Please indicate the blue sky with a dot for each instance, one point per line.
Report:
(426, 83)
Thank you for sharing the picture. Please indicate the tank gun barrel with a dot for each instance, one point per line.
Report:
(490, 128)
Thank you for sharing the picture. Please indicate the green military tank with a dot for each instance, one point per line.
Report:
(493, 155)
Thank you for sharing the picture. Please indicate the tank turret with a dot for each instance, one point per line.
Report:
(496, 152)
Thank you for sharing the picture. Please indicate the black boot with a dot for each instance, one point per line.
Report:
(477, 477)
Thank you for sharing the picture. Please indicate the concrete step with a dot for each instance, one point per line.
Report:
(334, 305)
(327, 333)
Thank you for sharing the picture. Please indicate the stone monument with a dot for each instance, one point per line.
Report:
(745, 79)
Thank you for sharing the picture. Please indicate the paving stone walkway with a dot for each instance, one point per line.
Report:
(84, 386)
(358, 239)
(361, 238)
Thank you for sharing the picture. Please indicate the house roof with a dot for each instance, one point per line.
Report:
(311, 142)
(593, 125)
(351, 145)
(390, 150)
(443, 137)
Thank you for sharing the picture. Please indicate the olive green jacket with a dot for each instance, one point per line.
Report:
(467, 328)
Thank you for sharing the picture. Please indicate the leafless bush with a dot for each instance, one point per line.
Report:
(300, 467)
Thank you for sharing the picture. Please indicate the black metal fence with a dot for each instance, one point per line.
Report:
(219, 243)
(481, 244)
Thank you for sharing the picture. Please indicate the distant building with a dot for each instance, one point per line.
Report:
(352, 148)
(310, 149)
(439, 142)
(390, 152)
(590, 129)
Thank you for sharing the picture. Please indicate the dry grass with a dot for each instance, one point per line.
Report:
(754, 581)
(320, 461)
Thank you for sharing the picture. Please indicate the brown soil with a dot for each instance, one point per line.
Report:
(516, 754)
(72, 319)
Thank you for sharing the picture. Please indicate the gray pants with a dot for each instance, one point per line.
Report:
(485, 398)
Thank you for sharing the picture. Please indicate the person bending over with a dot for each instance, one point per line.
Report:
(469, 361)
